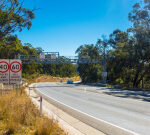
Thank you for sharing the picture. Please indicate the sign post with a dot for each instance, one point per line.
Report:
(104, 74)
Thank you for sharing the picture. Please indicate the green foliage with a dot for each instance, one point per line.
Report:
(129, 60)
(127, 53)
(10, 46)
(89, 72)
(59, 70)
(14, 17)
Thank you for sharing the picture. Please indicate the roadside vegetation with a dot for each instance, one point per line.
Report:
(19, 116)
(35, 78)
(13, 18)
(127, 53)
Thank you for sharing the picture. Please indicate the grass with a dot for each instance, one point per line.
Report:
(19, 116)
(48, 78)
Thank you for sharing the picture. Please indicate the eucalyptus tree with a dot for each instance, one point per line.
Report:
(120, 60)
(14, 17)
(89, 72)
(140, 17)
(104, 48)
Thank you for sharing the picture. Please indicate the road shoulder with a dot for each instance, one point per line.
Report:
(70, 124)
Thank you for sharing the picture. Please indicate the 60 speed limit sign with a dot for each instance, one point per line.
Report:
(15, 71)
(10, 71)
(15, 66)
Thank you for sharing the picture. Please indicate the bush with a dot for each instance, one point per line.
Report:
(19, 115)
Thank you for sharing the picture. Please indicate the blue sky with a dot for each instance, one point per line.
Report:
(64, 25)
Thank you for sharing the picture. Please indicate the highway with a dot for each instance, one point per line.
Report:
(124, 110)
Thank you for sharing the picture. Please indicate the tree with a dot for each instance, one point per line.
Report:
(140, 17)
(10, 47)
(129, 57)
(39, 50)
(104, 48)
(121, 58)
(89, 72)
(13, 17)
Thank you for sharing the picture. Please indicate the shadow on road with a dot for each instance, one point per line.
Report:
(142, 95)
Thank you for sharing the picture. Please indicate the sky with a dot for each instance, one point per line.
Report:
(63, 25)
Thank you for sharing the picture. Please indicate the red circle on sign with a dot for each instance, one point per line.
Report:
(7, 68)
(19, 68)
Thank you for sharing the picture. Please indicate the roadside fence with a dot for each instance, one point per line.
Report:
(6, 88)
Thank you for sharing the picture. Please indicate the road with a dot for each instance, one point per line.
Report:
(127, 110)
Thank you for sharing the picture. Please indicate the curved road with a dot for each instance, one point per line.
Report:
(116, 107)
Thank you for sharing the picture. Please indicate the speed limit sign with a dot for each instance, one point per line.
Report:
(4, 66)
(15, 66)
(10, 71)
(4, 71)
(15, 71)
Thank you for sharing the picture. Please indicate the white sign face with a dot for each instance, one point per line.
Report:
(104, 74)
(4, 71)
(42, 55)
(53, 56)
(15, 71)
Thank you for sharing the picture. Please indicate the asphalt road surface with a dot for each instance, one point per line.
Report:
(128, 110)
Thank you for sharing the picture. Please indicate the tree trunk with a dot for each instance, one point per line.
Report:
(135, 78)
(141, 79)
(142, 83)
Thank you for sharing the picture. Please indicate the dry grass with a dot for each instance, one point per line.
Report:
(19, 116)
(48, 78)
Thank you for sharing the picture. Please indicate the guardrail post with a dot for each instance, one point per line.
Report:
(16, 89)
(40, 105)
(1, 88)
(13, 87)
(1, 92)
(29, 90)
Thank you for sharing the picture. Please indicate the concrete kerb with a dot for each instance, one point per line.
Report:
(71, 125)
